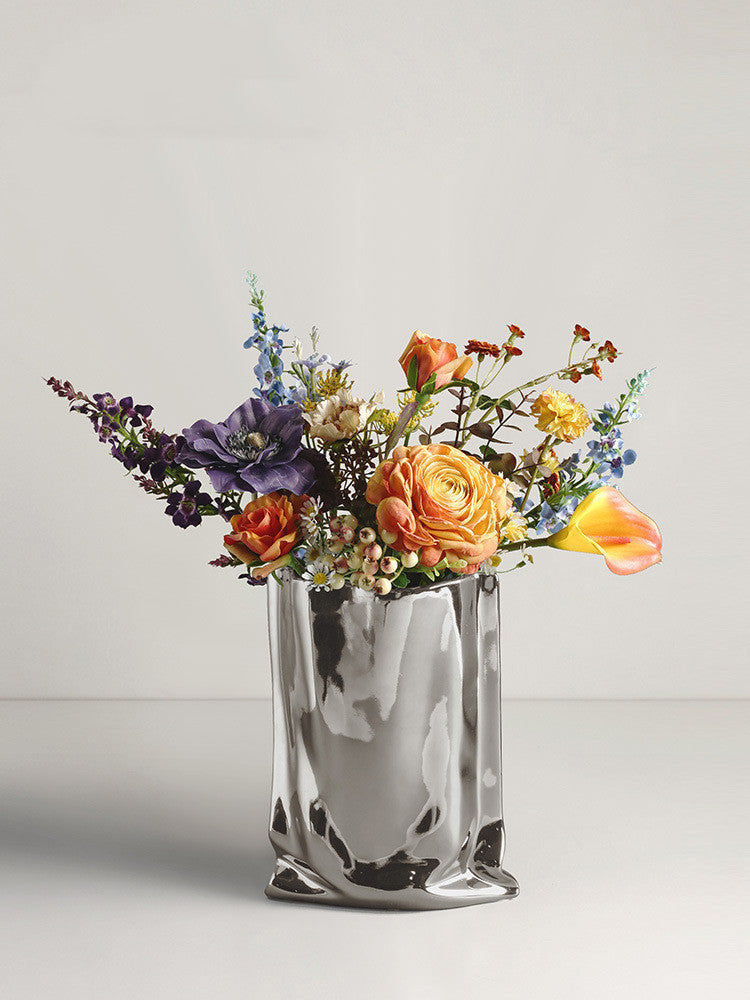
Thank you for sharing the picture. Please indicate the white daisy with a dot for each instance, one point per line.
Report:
(318, 576)
(491, 564)
(309, 516)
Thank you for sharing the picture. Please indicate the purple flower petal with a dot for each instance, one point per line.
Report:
(257, 447)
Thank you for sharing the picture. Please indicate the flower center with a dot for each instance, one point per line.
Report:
(248, 445)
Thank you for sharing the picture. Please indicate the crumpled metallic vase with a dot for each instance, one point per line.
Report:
(386, 774)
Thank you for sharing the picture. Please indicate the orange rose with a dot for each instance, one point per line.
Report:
(266, 532)
(435, 498)
(434, 357)
(607, 523)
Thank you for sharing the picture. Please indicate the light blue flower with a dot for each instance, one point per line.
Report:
(318, 360)
(609, 444)
(552, 519)
(269, 370)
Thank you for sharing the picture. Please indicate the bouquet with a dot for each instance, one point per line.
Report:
(341, 489)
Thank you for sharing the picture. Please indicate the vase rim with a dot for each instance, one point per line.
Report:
(288, 575)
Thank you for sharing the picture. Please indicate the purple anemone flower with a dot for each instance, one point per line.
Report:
(258, 448)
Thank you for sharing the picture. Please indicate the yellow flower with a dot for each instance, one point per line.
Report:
(560, 415)
(327, 384)
(385, 420)
(606, 523)
(331, 382)
(409, 395)
(514, 528)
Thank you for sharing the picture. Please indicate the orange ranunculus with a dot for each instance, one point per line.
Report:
(438, 499)
(607, 523)
(266, 532)
(434, 357)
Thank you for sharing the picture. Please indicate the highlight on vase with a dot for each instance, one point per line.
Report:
(343, 487)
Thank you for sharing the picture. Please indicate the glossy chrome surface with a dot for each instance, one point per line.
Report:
(387, 778)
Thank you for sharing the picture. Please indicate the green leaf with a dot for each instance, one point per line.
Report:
(411, 375)
(464, 383)
(401, 581)
(429, 387)
(481, 429)
(297, 565)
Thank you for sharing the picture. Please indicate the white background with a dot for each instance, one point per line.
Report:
(449, 166)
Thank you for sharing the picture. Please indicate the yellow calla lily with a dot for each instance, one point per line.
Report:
(608, 524)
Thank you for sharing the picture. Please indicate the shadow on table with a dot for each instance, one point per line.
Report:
(64, 834)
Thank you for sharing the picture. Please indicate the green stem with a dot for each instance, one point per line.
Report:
(472, 405)
(527, 543)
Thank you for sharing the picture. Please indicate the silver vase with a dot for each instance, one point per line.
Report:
(386, 773)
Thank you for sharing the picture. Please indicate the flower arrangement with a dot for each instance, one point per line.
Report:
(342, 489)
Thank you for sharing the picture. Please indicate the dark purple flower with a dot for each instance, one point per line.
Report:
(159, 456)
(64, 390)
(183, 507)
(126, 455)
(107, 403)
(133, 414)
(258, 448)
(223, 561)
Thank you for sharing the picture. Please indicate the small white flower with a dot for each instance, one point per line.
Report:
(309, 518)
(318, 576)
(491, 565)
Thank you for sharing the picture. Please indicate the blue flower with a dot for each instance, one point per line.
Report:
(552, 519)
(318, 360)
(609, 444)
(269, 370)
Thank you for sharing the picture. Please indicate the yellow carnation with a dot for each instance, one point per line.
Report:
(514, 528)
(560, 415)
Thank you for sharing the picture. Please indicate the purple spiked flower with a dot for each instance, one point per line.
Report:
(258, 448)
(159, 456)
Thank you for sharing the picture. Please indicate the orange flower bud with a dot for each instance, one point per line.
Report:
(434, 357)
(607, 523)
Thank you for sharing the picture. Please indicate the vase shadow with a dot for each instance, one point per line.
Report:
(145, 844)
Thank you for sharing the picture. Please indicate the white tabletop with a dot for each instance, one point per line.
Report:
(133, 857)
